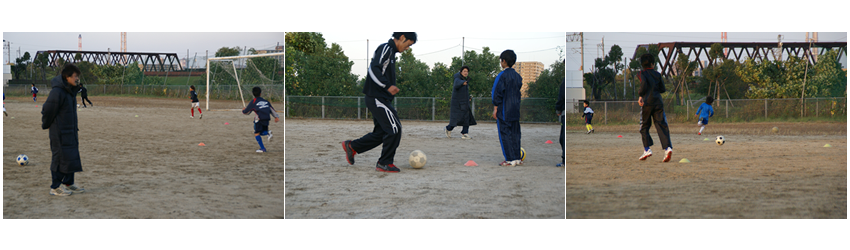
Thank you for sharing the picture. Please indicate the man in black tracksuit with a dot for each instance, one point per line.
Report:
(652, 108)
(84, 96)
(380, 90)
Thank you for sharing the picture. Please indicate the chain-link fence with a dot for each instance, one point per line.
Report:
(273, 93)
(535, 110)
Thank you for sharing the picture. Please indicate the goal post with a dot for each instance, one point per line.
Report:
(225, 70)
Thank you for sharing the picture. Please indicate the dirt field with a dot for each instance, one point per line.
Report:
(145, 167)
(788, 174)
(152, 167)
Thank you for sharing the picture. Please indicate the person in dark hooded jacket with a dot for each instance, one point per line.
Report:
(59, 114)
(652, 108)
(461, 113)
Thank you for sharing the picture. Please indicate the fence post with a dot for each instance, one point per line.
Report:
(765, 108)
(817, 108)
(358, 108)
(433, 107)
(323, 107)
(727, 108)
(606, 113)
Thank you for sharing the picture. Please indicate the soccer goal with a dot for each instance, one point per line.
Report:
(229, 80)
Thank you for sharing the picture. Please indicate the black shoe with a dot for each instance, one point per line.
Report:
(387, 168)
(349, 152)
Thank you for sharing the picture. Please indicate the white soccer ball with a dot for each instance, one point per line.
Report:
(23, 160)
(417, 159)
(720, 140)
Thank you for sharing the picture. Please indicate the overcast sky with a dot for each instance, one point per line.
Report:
(434, 46)
(159, 42)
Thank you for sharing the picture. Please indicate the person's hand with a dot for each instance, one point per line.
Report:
(559, 113)
(393, 90)
(276, 119)
(640, 101)
(464, 83)
(495, 109)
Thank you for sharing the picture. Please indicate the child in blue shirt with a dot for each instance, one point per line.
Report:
(264, 111)
(588, 116)
(705, 111)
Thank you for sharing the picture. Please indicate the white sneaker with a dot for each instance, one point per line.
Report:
(508, 163)
(448, 133)
(646, 154)
(201, 116)
(74, 188)
(517, 162)
(260, 151)
(192, 116)
(465, 136)
(270, 135)
(59, 191)
(668, 155)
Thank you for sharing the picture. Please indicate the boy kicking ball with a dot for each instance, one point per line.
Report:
(264, 111)
(704, 112)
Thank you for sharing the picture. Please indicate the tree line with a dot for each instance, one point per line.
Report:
(314, 68)
(612, 79)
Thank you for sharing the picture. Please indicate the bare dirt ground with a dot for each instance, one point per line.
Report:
(756, 174)
(148, 166)
(152, 167)
(321, 184)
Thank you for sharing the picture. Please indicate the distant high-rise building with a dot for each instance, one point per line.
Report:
(529, 72)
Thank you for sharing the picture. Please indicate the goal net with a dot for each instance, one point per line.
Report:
(231, 79)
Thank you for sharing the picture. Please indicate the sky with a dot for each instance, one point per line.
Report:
(159, 42)
(440, 46)
(628, 42)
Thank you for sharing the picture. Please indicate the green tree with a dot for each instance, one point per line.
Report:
(313, 69)
(549, 82)
(828, 77)
(225, 51)
(413, 78)
(770, 79)
(684, 69)
(483, 69)
(604, 73)
(441, 80)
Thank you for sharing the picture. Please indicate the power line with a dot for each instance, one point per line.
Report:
(517, 38)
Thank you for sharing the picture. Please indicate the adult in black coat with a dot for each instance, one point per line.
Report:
(59, 115)
(559, 106)
(461, 113)
(84, 96)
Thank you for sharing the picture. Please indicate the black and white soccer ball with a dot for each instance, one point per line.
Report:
(720, 140)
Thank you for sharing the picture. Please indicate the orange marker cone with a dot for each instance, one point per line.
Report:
(548, 141)
(201, 144)
(471, 163)
(620, 136)
(226, 123)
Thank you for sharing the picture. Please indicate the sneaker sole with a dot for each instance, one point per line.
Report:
(668, 156)
(350, 161)
(387, 171)
(644, 158)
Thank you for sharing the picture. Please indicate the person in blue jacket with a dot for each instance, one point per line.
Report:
(59, 115)
(704, 112)
(380, 90)
(264, 111)
(506, 101)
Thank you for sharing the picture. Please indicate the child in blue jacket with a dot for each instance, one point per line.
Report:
(704, 112)
(506, 101)
(264, 111)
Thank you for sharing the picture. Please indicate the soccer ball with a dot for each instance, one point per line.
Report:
(417, 159)
(720, 140)
(521, 154)
(23, 160)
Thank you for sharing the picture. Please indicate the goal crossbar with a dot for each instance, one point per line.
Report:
(238, 84)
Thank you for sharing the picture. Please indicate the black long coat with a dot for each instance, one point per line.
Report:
(59, 114)
(461, 112)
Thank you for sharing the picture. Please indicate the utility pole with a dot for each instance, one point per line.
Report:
(582, 52)
(462, 50)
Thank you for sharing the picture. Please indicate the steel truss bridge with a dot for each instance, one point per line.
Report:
(740, 51)
(154, 62)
